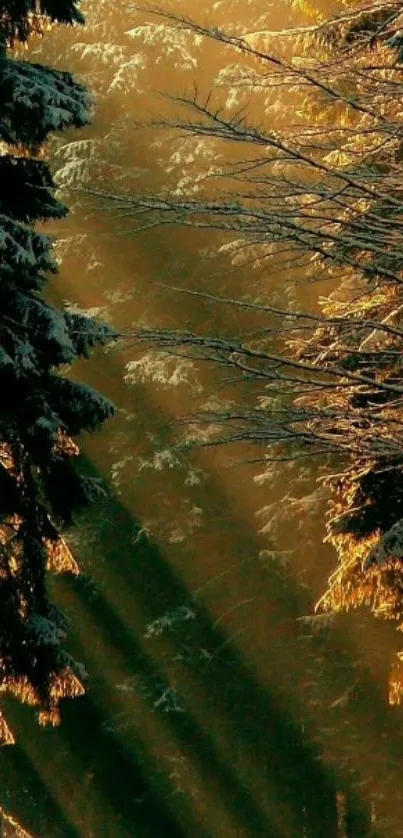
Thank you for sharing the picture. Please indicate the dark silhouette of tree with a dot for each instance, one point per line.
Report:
(42, 407)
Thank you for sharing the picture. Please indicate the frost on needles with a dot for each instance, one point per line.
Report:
(41, 410)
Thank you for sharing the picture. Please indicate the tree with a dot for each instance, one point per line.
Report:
(314, 686)
(322, 200)
(42, 407)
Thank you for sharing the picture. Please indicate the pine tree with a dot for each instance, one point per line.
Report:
(42, 408)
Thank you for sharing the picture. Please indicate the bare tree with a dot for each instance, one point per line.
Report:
(318, 199)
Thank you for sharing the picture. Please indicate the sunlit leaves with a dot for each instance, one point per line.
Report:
(317, 197)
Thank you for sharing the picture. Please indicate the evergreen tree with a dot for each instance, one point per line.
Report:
(42, 408)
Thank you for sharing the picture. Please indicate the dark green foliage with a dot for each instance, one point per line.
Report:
(377, 503)
(62, 481)
(40, 410)
(86, 333)
(78, 406)
(24, 254)
(25, 186)
(55, 102)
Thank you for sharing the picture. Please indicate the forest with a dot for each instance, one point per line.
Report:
(201, 467)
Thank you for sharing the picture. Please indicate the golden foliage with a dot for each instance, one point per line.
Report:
(378, 587)
(349, 587)
(17, 830)
(6, 736)
(60, 558)
(12, 823)
(21, 688)
(396, 680)
(329, 201)
(65, 685)
(65, 444)
(49, 717)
